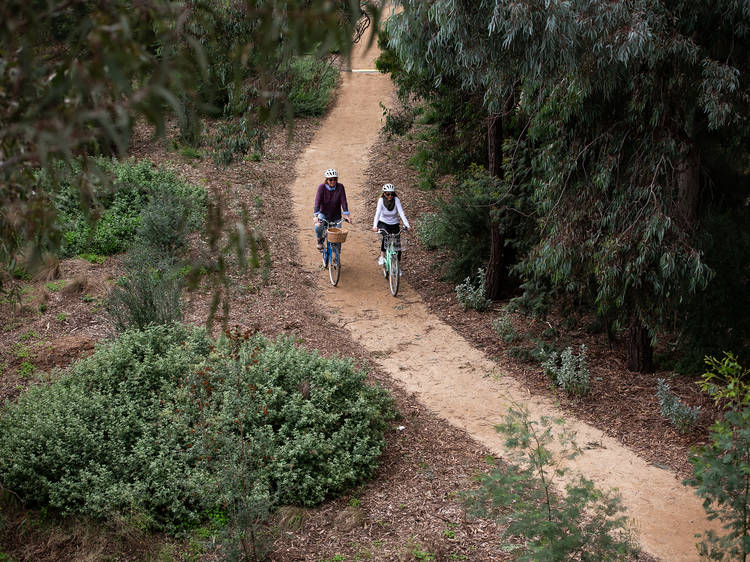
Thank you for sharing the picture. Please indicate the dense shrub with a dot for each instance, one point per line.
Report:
(324, 424)
(165, 222)
(397, 122)
(461, 225)
(234, 137)
(104, 437)
(311, 87)
(134, 186)
(168, 424)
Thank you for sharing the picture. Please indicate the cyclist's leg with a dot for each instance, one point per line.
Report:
(382, 226)
(392, 229)
(319, 229)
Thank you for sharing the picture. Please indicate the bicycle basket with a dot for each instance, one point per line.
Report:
(399, 241)
(336, 235)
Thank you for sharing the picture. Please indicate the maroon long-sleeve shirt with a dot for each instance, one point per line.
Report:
(330, 202)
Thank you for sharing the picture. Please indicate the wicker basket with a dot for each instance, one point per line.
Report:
(336, 235)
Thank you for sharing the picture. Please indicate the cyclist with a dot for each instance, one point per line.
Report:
(386, 217)
(330, 201)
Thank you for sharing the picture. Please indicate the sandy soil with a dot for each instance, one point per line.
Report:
(429, 358)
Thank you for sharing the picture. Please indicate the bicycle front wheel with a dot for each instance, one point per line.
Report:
(393, 276)
(334, 264)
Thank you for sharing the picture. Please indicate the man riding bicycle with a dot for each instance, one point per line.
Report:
(330, 200)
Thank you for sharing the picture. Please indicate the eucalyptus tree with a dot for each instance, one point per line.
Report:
(457, 44)
(633, 112)
(75, 75)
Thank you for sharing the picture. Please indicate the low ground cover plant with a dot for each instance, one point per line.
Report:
(682, 416)
(165, 424)
(470, 293)
(569, 371)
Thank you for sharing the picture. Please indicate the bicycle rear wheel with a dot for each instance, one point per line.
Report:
(393, 276)
(334, 264)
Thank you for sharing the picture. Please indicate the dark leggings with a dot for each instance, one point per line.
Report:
(390, 229)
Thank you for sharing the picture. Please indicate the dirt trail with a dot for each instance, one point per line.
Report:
(430, 359)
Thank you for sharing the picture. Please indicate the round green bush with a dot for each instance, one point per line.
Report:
(325, 424)
(167, 425)
(102, 438)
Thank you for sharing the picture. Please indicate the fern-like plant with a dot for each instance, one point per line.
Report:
(582, 523)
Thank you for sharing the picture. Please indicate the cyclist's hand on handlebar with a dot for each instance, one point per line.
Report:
(374, 228)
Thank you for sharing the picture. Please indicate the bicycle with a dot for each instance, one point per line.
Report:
(394, 243)
(332, 249)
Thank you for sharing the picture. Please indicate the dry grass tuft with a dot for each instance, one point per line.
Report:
(78, 285)
(349, 518)
(48, 269)
(290, 518)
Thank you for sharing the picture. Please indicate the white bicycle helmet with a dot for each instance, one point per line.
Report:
(331, 173)
(389, 188)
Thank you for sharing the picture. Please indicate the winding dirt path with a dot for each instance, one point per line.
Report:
(429, 358)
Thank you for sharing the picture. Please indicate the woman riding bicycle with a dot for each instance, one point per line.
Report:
(330, 200)
(386, 217)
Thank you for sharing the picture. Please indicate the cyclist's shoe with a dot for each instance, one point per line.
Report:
(381, 260)
(319, 245)
(400, 272)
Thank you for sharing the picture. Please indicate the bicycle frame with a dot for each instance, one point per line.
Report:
(391, 267)
(332, 253)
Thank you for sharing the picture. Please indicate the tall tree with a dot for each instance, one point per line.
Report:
(622, 102)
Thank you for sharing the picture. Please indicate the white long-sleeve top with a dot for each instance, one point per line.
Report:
(389, 217)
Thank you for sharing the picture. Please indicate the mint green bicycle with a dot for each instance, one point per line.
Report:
(394, 243)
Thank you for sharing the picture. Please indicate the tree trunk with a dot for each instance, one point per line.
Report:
(495, 144)
(493, 280)
(640, 352)
(688, 186)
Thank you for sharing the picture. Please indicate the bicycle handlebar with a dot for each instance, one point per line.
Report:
(401, 231)
(326, 223)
